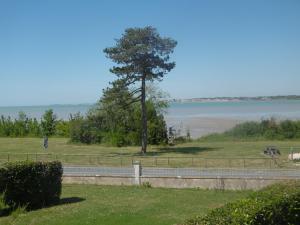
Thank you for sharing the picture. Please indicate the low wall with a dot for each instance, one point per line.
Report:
(178, 182)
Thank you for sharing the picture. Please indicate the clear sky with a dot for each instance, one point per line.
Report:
(51, 52)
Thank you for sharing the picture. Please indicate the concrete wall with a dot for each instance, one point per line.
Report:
(174, 182)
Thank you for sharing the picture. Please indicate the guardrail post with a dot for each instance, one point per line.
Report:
(137, 172)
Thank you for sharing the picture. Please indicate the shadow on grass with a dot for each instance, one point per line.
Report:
(9, 210)
(182, 150)
(70, 200)
(168, 150)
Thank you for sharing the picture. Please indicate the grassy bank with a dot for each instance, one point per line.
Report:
(111, 205)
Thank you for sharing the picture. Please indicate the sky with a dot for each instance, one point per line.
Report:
(51, 52)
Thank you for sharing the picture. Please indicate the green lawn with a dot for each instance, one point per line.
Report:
(179, 155)
(117, 205)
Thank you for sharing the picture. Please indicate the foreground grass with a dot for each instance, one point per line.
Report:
(118, 205)
(201, 149)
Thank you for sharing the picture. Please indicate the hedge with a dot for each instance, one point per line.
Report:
(278, 204)
(31, 184)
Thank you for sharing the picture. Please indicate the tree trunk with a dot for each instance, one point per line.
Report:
(144, 116)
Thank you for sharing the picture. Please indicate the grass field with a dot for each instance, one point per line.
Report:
(198, 153)
(117, 205)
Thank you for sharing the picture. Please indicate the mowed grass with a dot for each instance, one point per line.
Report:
(205, 153)
(118, 205)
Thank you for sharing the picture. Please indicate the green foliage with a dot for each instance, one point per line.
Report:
(82, 130)
(141, 52)
(49, 123)
(31, 184)
(269, 129)
(62, 128)
(247, 129)
(19, 127)
(23, 126)
(275, 205)
(115, 120)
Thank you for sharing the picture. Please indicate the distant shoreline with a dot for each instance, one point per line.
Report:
(238, 99)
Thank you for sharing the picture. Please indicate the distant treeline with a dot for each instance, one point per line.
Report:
(23, 126)
(258, 98)
(269, 129)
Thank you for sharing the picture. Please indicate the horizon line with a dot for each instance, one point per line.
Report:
(170, 99)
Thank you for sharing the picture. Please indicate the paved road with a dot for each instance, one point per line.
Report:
(183, 172)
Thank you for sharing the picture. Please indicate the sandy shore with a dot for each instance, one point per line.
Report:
(200, 126)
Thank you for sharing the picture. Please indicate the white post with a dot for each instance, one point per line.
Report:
(137, 172)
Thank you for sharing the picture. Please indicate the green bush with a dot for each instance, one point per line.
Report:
(275, 205)
(31, 184)
(24, 126)
(268, 129)
(247, 129)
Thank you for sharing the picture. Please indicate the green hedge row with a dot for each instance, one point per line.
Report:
(278, 204)
(31, 184)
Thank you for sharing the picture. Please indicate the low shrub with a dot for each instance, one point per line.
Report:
(31, 184)
(268, 129)
(278, 204)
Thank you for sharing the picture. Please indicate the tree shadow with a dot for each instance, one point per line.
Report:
(63, 201)
(168, 150)
(181, 150)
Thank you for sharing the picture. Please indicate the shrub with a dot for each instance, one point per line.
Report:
(268, 129)
(275, 205)
(31, 184)
(81, 130)
(247, 129)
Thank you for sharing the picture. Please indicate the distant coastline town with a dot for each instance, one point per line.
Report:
(238, 99)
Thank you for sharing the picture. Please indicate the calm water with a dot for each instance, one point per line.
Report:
(231, 110)
(237, 110)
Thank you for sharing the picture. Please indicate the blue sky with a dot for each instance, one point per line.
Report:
(51, 52)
